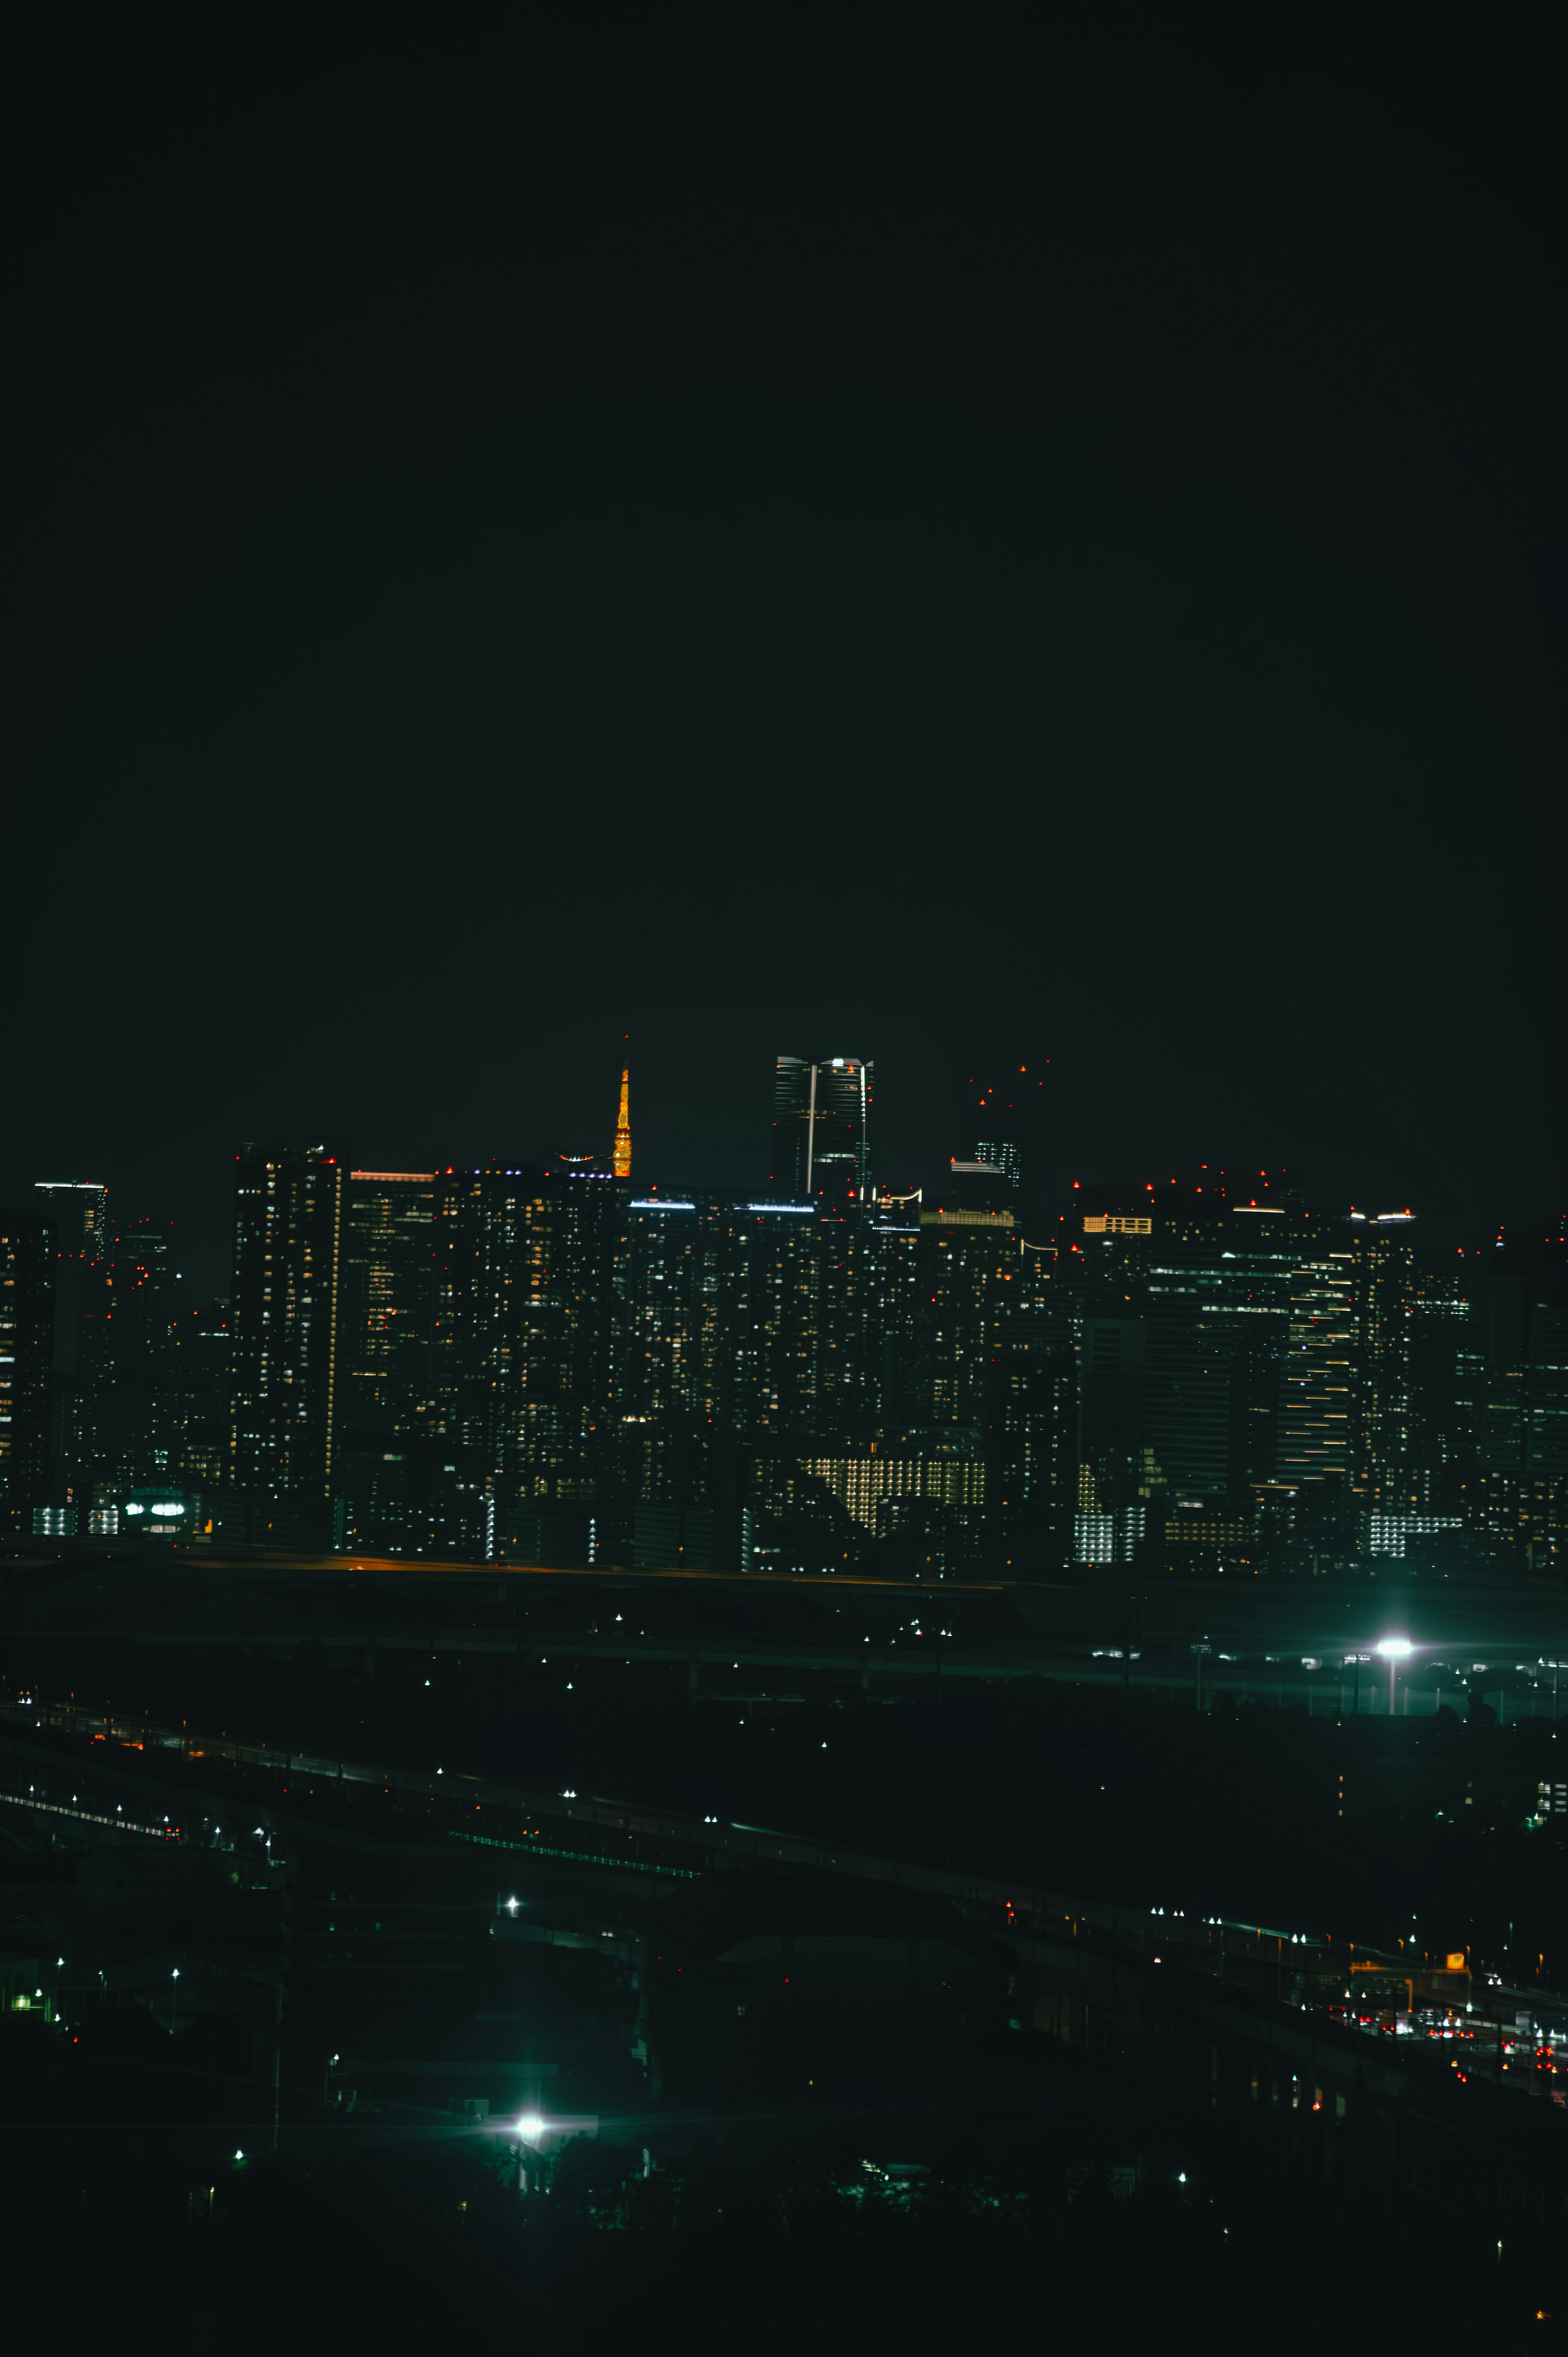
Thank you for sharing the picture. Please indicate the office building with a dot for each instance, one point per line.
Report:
(1004, 1114)
(1524, 1420)
(1317, 1420)
(822, 1129)
(139, 1429)
(980, 1185)
(1446, 1382)
(197, 1398)
(1385, 1296)
(1345, 1402)
(1218, 1300)
(77, 1213)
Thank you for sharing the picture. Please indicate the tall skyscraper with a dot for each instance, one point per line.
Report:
(1243, 1368)
(527, 1324)
(77, 1210)
(1217, 1304)
(289, 1207)
(622, 1164)
(141, 1427)
(1031, 1418)
(968, 1262)
(1005, 1115)
(26, 1354)
(199, 1395)
(386, 1303)
(822, 1129)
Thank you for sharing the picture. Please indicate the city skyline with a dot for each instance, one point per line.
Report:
(784, 1179)
(920, 1141)
(1215, 1368)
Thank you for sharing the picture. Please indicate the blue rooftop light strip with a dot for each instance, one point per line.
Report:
(808, 1208)
(653, 1203)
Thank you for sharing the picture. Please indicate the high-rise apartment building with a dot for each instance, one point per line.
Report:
(822, 1129)
(77, 1210)
(676, 1274)
(777, 1330)
(526, 1324)
(886, 1306)
(27, 1357)
(386, 1305)
(1031, 1419)
(969, 1262)
(289, 1239)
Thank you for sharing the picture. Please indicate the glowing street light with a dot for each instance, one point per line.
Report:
(530, 2128)
(1395, 1650)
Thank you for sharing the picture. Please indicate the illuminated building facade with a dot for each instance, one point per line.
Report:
(622, 1158)
(885, 1297)
(1031, 1419)
(822, 1129)
(26, 1358)
(289, 1223)
(1385, 1296)
(1393, 1535)
(528, 1359)
(1217, 1304)
(386, 1310)
(1317, 1423)
(871, 1482)
(776, 1359)
(969, 1263)
(675, 1265)
(526, 1327)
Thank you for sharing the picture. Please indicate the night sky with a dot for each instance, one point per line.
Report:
(1059, 560)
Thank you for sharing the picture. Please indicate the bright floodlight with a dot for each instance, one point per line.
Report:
(530, 2128)
(1394, 1649)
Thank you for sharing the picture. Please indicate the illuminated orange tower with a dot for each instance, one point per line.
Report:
(623, 1130)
